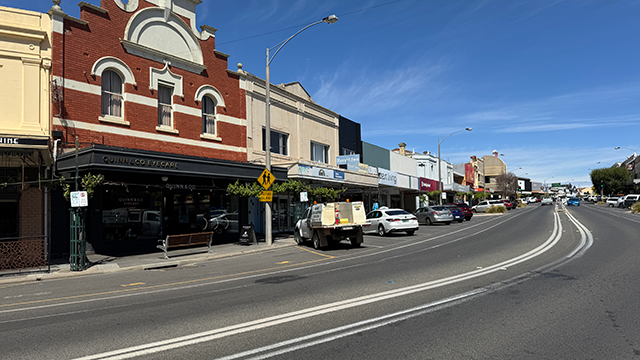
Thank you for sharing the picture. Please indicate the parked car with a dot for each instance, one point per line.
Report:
(612, 201)
(546, 201)
(573, 201)
(630, 200)
(484, 205)
(508, 204)
(456, 212)
(466, 209)
(433, 214)
(385, 220)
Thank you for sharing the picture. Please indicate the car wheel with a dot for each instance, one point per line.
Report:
(428, 221)
(381, 231)
(355, 243)
(459, 221)
(297, 237)
(475, 211)
(448, 223)
(610, 205)
(316, 240)
(410, 232)
(468, 219)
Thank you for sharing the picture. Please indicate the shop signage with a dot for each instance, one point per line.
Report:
(247, 235)
(364, 168)
(373, 170)
(79, 199)
(387, 177)
(13, 140)
(180, 186)
(351, 161)
(428, 184)
(141, 162)
(320, 172)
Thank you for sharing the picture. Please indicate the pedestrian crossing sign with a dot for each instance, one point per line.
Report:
(266, 179)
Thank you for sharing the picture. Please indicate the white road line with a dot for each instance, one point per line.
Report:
(182, 341)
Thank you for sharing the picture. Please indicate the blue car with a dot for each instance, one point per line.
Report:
(573, 202)
(458, 214)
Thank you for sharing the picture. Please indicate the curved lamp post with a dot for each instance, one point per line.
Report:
(618, 148)
(267, 141)
(439, 166)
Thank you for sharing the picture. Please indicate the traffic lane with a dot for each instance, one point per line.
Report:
(79, 288)
(158, 309)
(582, 309)
(327, 322)
(293, 296)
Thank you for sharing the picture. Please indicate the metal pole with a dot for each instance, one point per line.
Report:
(439, 173)
(267, 149)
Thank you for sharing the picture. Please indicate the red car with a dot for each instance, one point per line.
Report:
(508, 204)
(466, 209)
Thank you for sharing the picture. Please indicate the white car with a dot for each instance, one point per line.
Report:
(612, 202)
(546, 201)
(384, 220)
(484, 205)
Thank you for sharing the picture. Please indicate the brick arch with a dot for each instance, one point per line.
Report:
(113, 63)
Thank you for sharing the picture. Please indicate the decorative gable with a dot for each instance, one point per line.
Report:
(159, 35)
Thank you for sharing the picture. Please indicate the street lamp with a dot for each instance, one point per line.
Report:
(439, 166)
(545, 184)
(267, 141)
(618, 148)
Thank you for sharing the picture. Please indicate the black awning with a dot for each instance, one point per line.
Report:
(98, 158)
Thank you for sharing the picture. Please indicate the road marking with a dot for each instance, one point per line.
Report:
(210, 335)
(124, 292)
(283, 262)
(133, 284)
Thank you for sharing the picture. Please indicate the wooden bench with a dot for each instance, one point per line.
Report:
(174, 241)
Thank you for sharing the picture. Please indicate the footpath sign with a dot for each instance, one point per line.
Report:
(79, 199)
(247, 235)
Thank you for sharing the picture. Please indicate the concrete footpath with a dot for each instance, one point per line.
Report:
(102, 264)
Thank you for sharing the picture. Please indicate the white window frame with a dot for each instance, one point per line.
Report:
(218, 100)
(126, 75)
(111, 94)
(325, 152)
(209, 131)
(165, 106)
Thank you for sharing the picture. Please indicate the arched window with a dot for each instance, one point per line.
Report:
(208, 116)
(111, 94)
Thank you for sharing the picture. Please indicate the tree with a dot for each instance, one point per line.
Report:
(507, 184)
(614, 179)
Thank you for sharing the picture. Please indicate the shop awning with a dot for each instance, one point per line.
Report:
(98, 158)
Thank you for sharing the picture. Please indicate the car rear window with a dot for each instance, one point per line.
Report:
(438, 208)
(397, 212)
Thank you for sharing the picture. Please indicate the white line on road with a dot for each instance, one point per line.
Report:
(210, 335)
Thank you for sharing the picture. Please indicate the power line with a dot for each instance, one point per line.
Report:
(299, 26)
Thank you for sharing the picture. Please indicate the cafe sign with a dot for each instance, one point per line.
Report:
(139, 162)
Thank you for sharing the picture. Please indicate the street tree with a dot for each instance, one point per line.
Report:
(610, 180)
(507, 184)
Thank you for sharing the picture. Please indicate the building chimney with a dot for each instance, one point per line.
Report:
(495, 153)
(403, 150)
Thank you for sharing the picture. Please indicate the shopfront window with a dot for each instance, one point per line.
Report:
(130, 214)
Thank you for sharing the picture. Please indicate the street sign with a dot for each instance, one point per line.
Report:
(266, 196)
(266, 179)
(79, 199)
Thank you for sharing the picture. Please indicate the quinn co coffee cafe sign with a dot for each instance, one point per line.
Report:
(121, 160)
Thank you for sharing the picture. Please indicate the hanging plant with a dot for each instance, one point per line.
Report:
(245, 190)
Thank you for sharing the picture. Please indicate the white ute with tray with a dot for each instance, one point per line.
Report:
(330, 223)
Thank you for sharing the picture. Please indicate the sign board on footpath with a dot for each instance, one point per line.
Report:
(247, 235)
(79, 199)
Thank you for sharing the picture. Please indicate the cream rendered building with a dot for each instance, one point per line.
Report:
(25, 122)
(304, 139)
(493, 166)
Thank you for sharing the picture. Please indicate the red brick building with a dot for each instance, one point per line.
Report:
(156, 111)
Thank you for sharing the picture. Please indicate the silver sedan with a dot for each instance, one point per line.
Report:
(433, 214)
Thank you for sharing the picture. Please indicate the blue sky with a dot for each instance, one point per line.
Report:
(552, 85)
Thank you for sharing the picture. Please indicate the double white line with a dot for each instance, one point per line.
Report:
(345, 304)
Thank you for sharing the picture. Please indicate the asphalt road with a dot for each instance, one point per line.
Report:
(534, 283)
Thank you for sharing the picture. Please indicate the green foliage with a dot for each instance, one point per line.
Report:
(88, 182)
(496, 209)
(289, 187)
(635, 208)
(245, 190)
(614, 179)
(480, 195)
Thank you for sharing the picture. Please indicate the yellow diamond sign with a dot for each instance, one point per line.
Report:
(266, 179)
